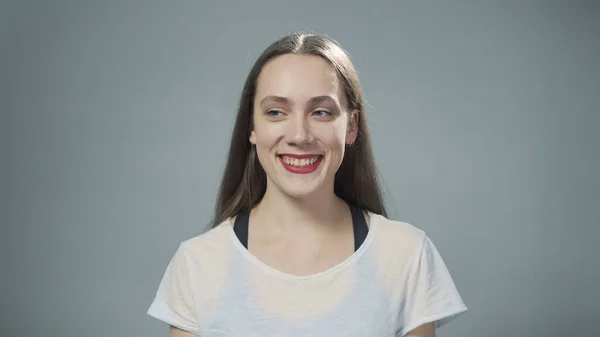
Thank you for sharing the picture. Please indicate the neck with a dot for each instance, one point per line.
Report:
(318, 212)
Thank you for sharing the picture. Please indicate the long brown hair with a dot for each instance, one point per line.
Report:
(244, 180)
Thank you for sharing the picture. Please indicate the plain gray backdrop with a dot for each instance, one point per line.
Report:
(116, 118)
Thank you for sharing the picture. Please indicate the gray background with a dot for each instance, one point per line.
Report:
(116, 117)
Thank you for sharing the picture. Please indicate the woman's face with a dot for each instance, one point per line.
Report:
(301, 124)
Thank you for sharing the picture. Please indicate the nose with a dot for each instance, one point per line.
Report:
(299, 131)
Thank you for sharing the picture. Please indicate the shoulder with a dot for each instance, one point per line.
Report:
(396, 245)
(396, 234)
(209, 247)
(196, 275)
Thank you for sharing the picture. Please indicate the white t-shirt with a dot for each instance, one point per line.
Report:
(395, 281)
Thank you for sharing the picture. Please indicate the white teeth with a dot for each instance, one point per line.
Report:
(300, 162)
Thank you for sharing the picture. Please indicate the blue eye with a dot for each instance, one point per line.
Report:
(273, 113)
(322, 113)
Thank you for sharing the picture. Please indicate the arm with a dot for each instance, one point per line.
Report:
(425, 330)
(175, 332)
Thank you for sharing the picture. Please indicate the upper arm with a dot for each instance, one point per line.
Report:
(176, 332)
(174, 302)
(425, 330)
(430, 293)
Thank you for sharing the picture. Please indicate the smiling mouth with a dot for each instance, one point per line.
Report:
(300, 161)
(300, 164)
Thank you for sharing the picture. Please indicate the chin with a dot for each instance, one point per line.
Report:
(299, 190)
(300, 185)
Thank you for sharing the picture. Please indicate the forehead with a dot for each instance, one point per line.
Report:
(298, 77)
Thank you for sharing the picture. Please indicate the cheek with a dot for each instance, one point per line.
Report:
(333, 136)
(266, 135)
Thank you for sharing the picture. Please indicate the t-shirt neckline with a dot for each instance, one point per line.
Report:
(247, 255)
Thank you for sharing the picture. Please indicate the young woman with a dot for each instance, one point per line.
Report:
(301, 244)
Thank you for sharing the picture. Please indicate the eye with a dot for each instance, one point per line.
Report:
(322, 113)
(274, 113)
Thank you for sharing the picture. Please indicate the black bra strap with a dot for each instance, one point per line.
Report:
(240, 227)
(359, 226)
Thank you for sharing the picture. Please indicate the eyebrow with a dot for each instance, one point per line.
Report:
(285, 100)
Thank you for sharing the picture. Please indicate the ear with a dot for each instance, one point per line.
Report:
(253, 137)
(352, 131)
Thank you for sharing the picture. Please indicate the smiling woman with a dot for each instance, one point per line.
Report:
(301, 244)
(301, 116)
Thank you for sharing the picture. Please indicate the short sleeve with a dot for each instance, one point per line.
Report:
(174, 300)
(431, 293)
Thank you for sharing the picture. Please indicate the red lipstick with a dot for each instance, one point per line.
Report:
(300, 169)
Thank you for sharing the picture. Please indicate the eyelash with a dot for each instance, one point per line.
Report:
(327, 113)
(270, 113)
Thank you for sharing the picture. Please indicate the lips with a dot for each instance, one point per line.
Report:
(300, 163)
